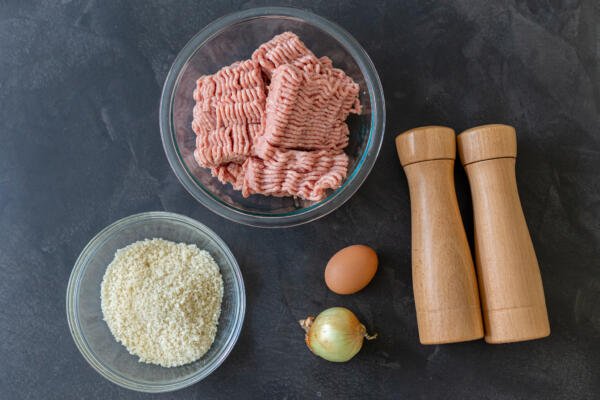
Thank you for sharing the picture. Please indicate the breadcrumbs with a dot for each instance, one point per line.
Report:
(162, 301)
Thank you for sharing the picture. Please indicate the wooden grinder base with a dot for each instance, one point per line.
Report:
(510, 284)
(444, 281)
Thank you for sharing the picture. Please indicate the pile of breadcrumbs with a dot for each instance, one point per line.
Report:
(162, 301)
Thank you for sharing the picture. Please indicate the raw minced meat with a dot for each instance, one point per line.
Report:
(276, 124)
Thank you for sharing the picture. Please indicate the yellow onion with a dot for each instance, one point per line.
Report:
(335, 335)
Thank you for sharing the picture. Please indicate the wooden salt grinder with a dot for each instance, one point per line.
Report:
(444, 282)
(510, 285)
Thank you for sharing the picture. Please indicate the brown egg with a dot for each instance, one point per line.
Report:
(351, 269)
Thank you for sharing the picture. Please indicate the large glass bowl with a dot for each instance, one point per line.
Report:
(91, 333)
(233, 38)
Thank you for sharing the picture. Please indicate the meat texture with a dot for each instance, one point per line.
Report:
(283, 49)
(229, 113)
(307, 107)
(275, 124)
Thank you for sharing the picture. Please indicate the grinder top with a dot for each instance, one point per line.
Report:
(426, 143)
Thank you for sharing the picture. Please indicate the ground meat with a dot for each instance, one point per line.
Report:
(282, 49)
(307, 177)
(229, 173)
(306, 107)
(229, 113)
(225, 144)
(275, 124)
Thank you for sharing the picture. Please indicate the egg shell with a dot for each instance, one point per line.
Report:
(351, 269)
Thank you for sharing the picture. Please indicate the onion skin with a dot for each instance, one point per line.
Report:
(335, 334)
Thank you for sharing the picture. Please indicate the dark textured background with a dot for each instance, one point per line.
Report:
(80, 148)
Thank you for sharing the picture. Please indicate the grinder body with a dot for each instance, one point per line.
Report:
(510, 284)
(444, 281)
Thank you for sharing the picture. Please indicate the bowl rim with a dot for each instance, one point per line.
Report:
(314, 211)
(75, 325)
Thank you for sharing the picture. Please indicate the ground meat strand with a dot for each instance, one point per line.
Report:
(309, 178)
(306, 108)
(229, 113)
(282, 49)
(275, 124)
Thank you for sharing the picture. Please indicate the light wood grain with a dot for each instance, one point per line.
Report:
(487, 142)
(426, 143)
(444, 281)
(510, 284)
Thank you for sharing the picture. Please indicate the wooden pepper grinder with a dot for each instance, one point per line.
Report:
(444, 282)
(510, 284)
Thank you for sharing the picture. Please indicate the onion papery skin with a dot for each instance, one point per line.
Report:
(336, 335)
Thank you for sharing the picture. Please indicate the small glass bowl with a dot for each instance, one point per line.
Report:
(233, 38)
(91, 333)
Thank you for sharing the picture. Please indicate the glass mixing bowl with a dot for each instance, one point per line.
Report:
(233, 38)
(90, 331)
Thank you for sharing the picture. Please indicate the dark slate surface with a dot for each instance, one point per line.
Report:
(80, 148)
